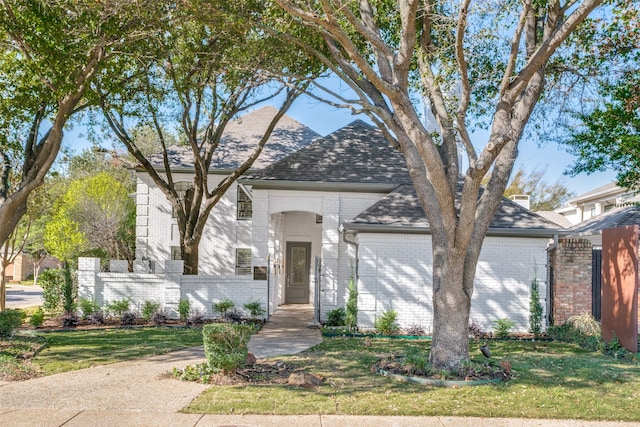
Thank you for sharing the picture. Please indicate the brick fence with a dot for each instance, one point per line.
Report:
(167, 286)
(571, 263)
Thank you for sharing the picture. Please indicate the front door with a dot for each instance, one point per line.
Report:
(298, 269)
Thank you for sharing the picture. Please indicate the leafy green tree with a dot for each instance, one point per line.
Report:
(204, 69)
(609, 137)
(480, 62)
(50, 51)
(94, 216)
(544, 196)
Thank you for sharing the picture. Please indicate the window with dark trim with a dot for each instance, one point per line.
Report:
(181, 188)
(243, 261)
(176, 253)
(245, 208)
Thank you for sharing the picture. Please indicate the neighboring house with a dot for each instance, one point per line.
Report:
(596, 202)
(22, 267)
(614, 218)
(339, 208)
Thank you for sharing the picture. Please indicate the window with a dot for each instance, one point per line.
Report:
(181, 188)
(176, 253)
(243, 261)
(245, 209)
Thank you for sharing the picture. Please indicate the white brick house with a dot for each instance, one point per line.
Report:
(339, 207)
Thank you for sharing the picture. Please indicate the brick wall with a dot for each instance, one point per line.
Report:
(396, 273)
(571, 262)
(167, 288)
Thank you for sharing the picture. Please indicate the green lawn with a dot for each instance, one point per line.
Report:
(552, 380)
(70, 350)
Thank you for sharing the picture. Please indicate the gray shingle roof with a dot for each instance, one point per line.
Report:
(559, 219)
(401, 209)
(357, 153)
(240, 138)
(619, 217)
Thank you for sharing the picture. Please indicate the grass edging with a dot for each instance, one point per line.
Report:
(436, 383)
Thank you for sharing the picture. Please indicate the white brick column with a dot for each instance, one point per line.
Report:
(89, 286)
(329, 294)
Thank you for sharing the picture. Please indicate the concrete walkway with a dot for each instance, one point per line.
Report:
(139, 393)
(286, 332)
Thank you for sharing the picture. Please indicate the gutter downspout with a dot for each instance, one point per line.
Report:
(550, 281)
(355, 246)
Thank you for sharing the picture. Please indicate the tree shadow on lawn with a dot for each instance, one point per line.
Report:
(551, 380)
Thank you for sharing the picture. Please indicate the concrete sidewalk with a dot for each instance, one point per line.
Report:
(70, 418)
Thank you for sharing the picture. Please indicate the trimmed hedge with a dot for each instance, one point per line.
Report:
(225, 345)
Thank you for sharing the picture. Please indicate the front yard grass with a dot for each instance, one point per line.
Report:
(70, 350)
(552, 380)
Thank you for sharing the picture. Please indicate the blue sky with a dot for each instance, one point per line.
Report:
(325, 119)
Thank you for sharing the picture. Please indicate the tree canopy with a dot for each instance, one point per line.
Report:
(481, 63)
(544, 196)
(187, 83)
(50, 50)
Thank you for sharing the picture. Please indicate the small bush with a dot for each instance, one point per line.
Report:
(225, 345)
(118, 307)
(416, 330)
(585, 323)
(223, 306)
(233, 315)
(535, 308)
(128, 318)
(37, 318)
(336, 317)
(160, 317)
(183, 309)
(52, 282)
(255, 309)
(69, 320)
(475, 331)
(196, 318)
(97, 318)
(386, 323)
(87, 307)
(503, 327)
(351, 309)
(149, 309)
(10, 320)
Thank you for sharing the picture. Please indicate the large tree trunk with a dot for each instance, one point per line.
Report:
(451, 307)
(190, 247)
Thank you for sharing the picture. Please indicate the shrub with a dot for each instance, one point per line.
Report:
(225, 345)
(336, 317)
(223, 306)
(97, 317)
(503, 327)
(535, 308)
(416, 330)
(69, 290)
(475, 331)
(183, 309)
(351, 309)
(52, 282)
(87, 307)
(37, 318)
(585, 323)
(233, 315)
(128, 318)
(386, 323)
(160, 317)
(196, 318)
(118, 307)
(69, 320)
(255, 309)
(149, 309)
(10, 320)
